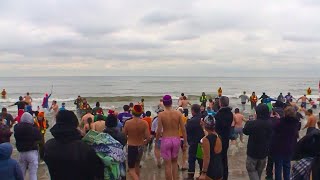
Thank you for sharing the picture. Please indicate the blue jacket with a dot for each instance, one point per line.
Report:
(9, 168)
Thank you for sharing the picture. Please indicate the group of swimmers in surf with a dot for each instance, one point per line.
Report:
(203, 137)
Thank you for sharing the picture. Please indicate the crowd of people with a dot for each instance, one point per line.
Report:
(204, 137)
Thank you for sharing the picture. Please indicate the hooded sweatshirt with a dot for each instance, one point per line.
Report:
(259, 132)
(9, 168)
(27, 136)
(66, 156)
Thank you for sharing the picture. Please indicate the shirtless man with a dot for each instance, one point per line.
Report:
(54, 107)
(184, 103)
(137, 132)
(28, 99)
(84, 119)
(312, 121)
(100, 124)
(303, 101)
(3, 94)
(170, 121)
(160, 105)
(238, 119)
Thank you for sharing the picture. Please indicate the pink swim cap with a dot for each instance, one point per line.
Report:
(167, 100)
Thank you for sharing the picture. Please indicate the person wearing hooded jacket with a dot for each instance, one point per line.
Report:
(259, 132)
(66, 156)
(9, 168)
(283, 143)
(27, 139)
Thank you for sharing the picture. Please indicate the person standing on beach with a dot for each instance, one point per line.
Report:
(148, 119)
(137, 132)
(27, 137)
(244, 99)
(184, 151)
(303, 101)
(170, 121)
(125, 115)
(203, 99)
(28, 99)
(100, 124)
(194, 134)
(259, 132)
(224, 119)
(45, 102)
(312, 121)
(238, 123)
(160, 105)
(253, 100)
(211, 104)
(184, 103)
(142, 104)
(42, 124)
(6, 118)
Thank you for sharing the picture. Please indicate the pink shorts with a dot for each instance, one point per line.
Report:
(170, 147)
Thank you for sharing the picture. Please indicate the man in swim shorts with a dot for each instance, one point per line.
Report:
(170, 121)
(184, 103)
(303, 101)
(137, 132)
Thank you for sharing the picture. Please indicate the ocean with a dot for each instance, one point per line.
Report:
(117, 91)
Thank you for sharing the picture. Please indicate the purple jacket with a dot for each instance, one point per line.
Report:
(284, 138)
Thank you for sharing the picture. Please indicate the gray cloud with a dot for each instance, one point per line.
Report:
(203, 37)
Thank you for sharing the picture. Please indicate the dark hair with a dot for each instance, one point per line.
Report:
(148, 113)
(20, 98)
(210, 100)
(100, 117)
(98, 104)
(54, 101)
(184, 98)
(262, 111)
(131, 104)
(67, 118)
(4, 109)
(195, 108)
(237, 110)
(182, 94)
(142, 100)
(224, 100)
(112, 121)
(310, 111)
(126, 108)
(89, 122)
(28, 93)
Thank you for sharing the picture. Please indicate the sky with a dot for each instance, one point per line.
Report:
(160, 38)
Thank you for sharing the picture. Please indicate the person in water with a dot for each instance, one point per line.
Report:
(184, 103)
(253, 100)
(288, 98)
(45, 102)
(4, 93)
(263, 97)
(312, 121)
(169, 121)
(63, 107)
(304, 100)
(203, 99)
(138, 135)
(281, 98)
(28, 99)
(244, 99)
(212, 147)
(219, 92)
(20, 104)
(78, 102)
(97, 109)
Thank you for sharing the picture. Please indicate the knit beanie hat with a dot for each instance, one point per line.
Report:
(27, 118)
(167, 100)
(137, 110)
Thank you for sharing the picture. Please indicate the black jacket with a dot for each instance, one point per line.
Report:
(67, 157)
(117, 135)
(259, 132)
(224, 119)
(194, 130)
(27, 137)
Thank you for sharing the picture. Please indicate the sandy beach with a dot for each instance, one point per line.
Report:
(149, 171)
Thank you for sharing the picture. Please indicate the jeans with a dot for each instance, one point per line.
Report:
(193, 158)
(29, 160)
(269, 170)
(282, 165)
(253, 106)
(255, 167)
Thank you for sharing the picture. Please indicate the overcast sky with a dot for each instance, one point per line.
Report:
(160, 37)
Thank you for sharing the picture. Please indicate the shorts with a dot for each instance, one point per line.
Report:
(134, 155)
(170, 147)
(186, 112)
(304, 105)
(243, 103)
(238, 131)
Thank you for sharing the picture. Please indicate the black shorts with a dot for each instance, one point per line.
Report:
(134, 155)
(186, 112)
